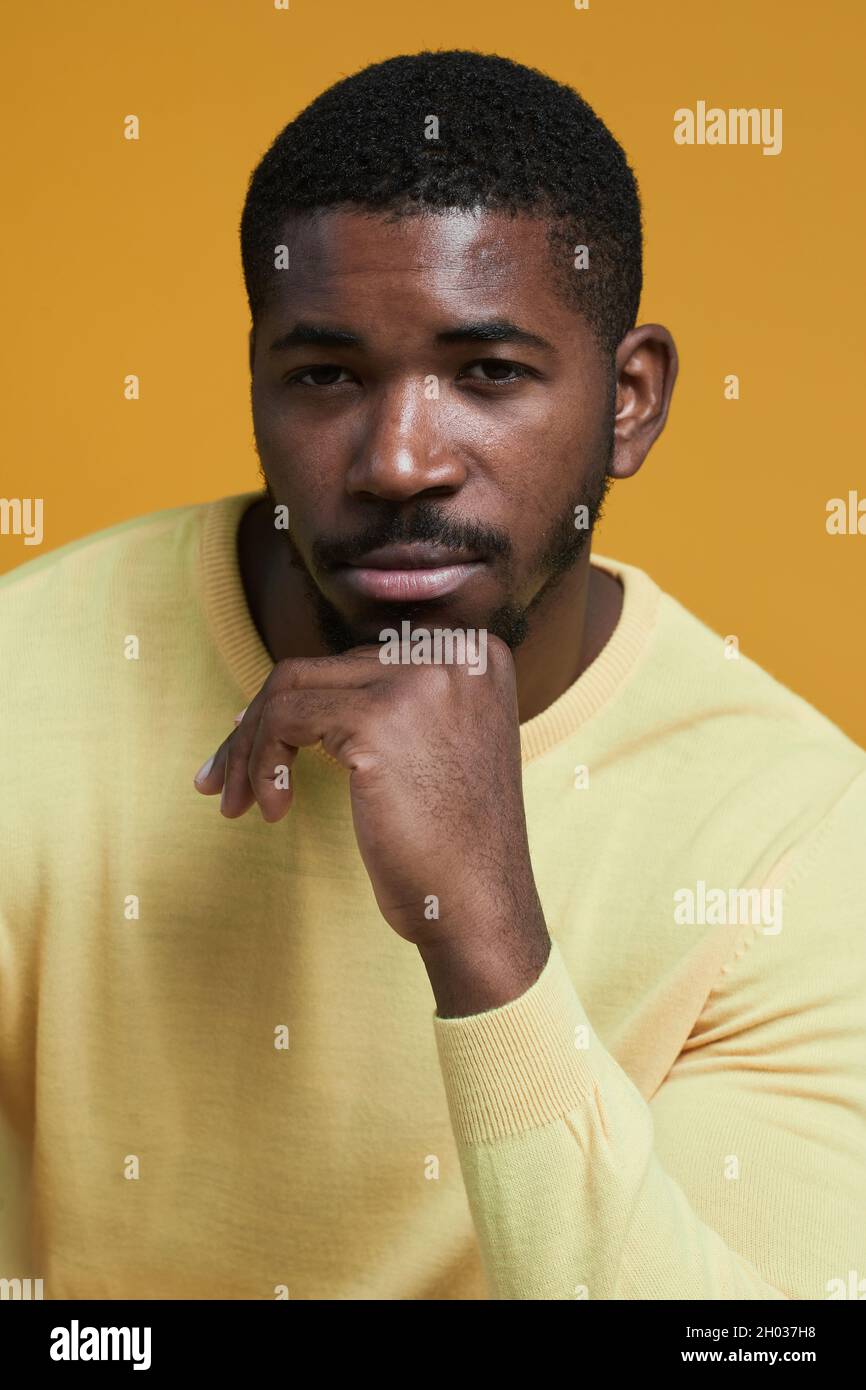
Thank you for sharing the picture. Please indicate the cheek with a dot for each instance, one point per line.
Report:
(292, 452)
(312, 496)
(541, 496)
(544, 475)
(274, 427)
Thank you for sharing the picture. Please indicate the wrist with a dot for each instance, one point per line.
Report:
(473, 973)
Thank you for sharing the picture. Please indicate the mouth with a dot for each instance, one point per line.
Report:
(412, 572)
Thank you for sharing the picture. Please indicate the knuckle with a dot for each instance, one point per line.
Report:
(500, 662)
(498, 653)
(286, 675)
(274, 708)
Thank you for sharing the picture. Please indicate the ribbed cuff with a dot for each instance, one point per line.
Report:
(520, 1066)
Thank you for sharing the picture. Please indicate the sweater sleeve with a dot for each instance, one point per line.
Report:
(743, 1176)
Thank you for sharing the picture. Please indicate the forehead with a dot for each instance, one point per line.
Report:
(441, 263)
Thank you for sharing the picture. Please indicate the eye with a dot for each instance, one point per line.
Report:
(324, 375)
(498, 371)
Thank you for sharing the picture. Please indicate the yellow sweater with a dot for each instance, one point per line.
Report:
(221, 1073)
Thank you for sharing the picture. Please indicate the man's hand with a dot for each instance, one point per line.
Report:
(433, 755)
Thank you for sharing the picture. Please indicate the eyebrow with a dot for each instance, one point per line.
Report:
(480, 331)
(493, 331)
(314, 335)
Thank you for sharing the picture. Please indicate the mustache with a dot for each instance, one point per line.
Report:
(426, 522)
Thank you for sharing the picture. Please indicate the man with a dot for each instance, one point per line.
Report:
(490, 772)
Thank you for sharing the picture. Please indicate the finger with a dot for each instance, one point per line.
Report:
(211, 775)
(290, 720)
(357, 667)
(269, 773)
(237, 793)
(261, 751)
(209, 778)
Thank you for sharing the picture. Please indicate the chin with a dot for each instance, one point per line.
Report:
(340, 633)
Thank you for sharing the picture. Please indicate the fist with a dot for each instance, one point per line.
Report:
(433, 756)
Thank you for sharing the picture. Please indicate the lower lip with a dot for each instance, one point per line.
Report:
(398, 586)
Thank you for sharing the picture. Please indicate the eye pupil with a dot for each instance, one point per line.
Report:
(329, 373)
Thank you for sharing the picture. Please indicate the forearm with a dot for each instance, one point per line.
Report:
(569, 1192)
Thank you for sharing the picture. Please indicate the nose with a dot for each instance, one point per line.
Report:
(407, 447)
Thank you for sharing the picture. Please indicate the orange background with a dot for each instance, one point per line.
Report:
(123, 257)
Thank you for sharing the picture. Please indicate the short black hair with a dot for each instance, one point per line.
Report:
(510, 139)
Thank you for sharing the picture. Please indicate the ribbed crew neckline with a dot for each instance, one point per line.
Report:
(250, 663)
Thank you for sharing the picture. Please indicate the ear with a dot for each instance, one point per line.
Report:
(647, 364)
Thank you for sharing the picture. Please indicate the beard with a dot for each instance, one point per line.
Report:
(561, 547)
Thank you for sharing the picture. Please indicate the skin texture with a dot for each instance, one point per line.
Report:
(363, 456)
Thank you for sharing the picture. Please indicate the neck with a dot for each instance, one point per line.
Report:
(568, 627)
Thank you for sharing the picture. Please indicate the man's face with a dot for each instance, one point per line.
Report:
(437, 394)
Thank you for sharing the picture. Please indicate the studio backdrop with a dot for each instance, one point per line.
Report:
(131, 131)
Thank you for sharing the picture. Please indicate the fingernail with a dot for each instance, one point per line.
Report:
(204, 769)
(239, 717)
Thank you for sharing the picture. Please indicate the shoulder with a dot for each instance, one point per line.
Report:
(118, 550)
(150, 564)
(66, 616)
(741, 750)
(753, 713)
